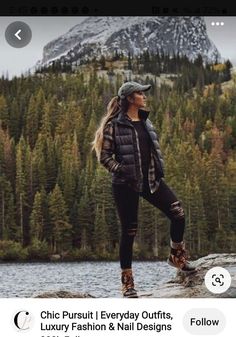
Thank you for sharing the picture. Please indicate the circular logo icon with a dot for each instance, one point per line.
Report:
(23, 321)
(18, 34)
(217, 280)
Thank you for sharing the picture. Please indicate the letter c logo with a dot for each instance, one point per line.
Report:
(22, 320)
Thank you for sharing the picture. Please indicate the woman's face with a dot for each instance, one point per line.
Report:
(138, 99)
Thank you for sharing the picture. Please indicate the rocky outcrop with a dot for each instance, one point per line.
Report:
(193, 285)
(181, 286)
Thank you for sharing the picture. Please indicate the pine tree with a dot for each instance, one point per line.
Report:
(48, 150)
(214, 193)
(103, 62)
(36, 218)
(100, 235)
(89, 134)
(101, 190)
(7, 156)
(4, 116)
(21, 188)
(61, 229)
(32, 122)
(227, 71)
(39, 168)
(84, 227)
(8, 229)
(231, 207)
(68, 175)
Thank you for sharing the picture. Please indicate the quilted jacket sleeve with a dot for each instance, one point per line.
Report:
(108, 149)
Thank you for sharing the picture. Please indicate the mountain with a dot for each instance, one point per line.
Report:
(97, 36)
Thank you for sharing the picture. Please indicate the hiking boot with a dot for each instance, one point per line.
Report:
(128, 284)
(178, 258)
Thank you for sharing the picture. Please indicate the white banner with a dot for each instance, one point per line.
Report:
(116, 317)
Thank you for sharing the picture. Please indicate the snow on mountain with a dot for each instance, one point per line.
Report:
(97, 36)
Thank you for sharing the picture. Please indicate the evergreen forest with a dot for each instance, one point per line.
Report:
(55, 198)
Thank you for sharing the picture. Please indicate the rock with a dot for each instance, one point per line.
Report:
(193, 285)
(55, 257)
(63, 294)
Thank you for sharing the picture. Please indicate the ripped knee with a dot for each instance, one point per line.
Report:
(132, 231)
(177, 210)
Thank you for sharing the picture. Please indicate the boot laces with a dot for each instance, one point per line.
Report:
(181, 254)
(128, 280)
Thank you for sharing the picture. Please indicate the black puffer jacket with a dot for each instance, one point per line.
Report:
(121, 139)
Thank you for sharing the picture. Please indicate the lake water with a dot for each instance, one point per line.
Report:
(100, 279)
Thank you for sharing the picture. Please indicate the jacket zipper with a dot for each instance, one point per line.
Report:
(140, 164)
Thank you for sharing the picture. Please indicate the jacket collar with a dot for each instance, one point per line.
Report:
(124, 118)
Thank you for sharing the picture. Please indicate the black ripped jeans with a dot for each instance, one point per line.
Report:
(127, 200)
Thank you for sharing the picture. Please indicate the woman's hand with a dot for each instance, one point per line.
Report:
(124, 170)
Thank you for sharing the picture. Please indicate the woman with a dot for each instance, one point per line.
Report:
(137, 170)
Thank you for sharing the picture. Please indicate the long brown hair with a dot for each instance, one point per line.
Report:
(113, 108)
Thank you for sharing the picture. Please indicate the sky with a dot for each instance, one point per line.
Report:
(15, 61)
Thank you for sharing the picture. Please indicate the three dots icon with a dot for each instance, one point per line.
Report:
(217, 23)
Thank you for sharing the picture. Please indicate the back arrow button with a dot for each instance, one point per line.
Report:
(18, 34)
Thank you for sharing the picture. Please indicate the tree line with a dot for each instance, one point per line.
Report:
(196, 72)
